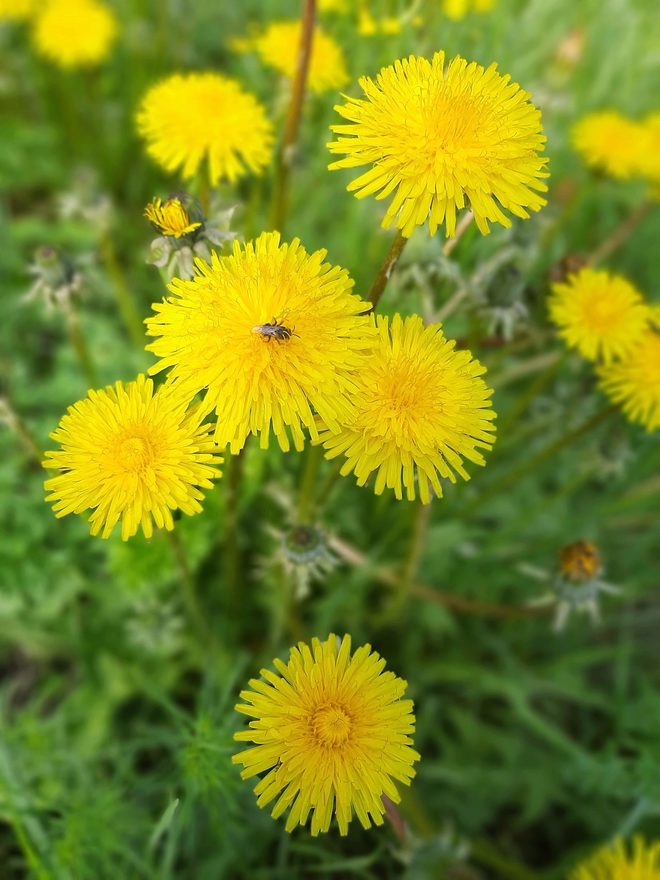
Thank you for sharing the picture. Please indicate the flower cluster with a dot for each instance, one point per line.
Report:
(606, 319)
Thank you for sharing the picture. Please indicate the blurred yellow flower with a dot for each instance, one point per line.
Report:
(616, 861)
(601, 315)
(421, 408)
(271, 333)
(441, 139)
(368, 26)
(17, 9)
(333, 733)
(649, 157)
(610, 142)
(192, 119)
(333, 5)
(131, 455)
(74, 33)
(458, 9)
(278, 48)
(170, 217)
(634, 382)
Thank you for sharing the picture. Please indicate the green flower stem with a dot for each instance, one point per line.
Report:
(313, 458)
(231, 550)
(386, 269)
(287, 151)
(127, 309)
(188, 590)
(11, 418)
(510, 479)
(80, 347)
(461, 228)
(620, 233)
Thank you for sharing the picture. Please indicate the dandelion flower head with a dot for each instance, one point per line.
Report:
(278, 46)
(601, 315)
(273, 336)
(580, 561)
(332, 734)
(74, 33)
(439, 138)
(649, 159)
(14, 10)
(458, 9)
(634, 382)
(133, 455)
(618, 861)
(170, 217)
(422, 408)
(609, 142)
(203, 120)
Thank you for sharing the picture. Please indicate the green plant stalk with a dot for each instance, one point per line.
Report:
(231, 554)
(287, 151)
(188, 591)
(386, 269)
(80, 348)
(620, 234)
(127, 309)
(313, 458)
(510, 479)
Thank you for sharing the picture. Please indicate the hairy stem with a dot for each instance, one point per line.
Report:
(386, 269)
(292, 123)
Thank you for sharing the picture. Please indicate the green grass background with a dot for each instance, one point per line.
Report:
(116, 720)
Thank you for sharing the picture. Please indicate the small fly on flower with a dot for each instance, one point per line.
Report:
(274, 330)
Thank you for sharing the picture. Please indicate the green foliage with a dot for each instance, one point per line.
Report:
(116, 716)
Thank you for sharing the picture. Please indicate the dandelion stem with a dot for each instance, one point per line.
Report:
(233, 473)
(80, 348)
(620, 233)
(386, 269)
(188, 591)
(510, 479)
(292, 123)
(313, 457)
(15, 423)
(420, 522)
(461, 228)
(125, 301)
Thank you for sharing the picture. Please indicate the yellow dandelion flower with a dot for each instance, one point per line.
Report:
(440, 138)
(617, 861)
(333, 5)
(74, 33)
(271, 334)
(601, 315)
(14, 10)
(649, 154)
(634, 382)
(610, 142)
(368, 26)
(131, 455)
(421, 409)
(194, 118)
(278, 48)
(458, 9)
(333, 733)
(170, 217)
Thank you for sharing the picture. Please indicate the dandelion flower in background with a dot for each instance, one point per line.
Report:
(170, 217)
(649, 160)
(278, 48)
(458, 9)
(634, 383)
(15, 10)
(440, 138)
(368, 26)
(271, 333)
(601, 315)
(74, 33)
(619, 861)
(333, 734)
(333, 5)
(421, 409)
(199, 120)
(131, 455)
(609, 142)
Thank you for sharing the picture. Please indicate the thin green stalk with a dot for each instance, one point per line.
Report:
(510, 479)
(231, 549)
(292, 124)
(461, 228)
(188, 590)
(15, 423)
(80, 347)
(620, 233)
(419, 529)
(127, 309)
(313, 458)
(386, 269)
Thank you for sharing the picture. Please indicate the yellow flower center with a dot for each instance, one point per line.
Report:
(331, 725)
(170, 217)
(135, 454)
